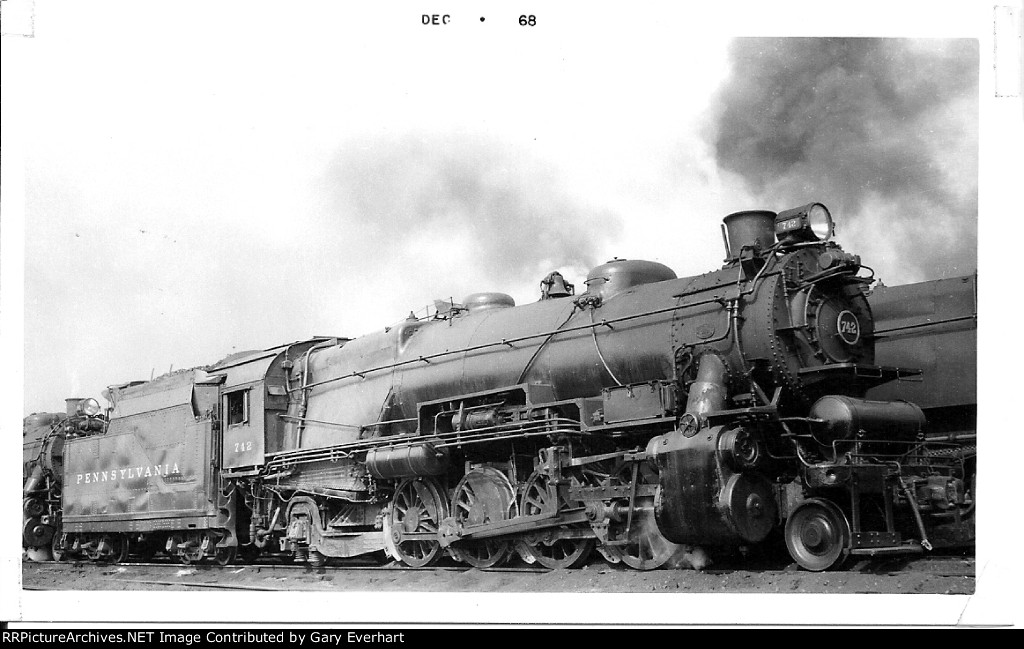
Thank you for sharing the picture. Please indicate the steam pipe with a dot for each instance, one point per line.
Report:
(708, 391)
(305, 392)
(34, 478)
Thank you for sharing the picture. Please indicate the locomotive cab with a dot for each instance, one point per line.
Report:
(254, 402)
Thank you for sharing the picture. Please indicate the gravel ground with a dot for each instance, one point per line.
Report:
(932, 575)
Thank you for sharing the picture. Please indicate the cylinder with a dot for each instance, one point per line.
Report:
(844, 417)
(755, 228)
(700, 501)
(406, 462)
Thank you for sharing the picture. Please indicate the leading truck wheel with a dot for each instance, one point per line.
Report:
(818, 535)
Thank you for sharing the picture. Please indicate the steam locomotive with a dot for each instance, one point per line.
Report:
(644, 415)
(43, 468)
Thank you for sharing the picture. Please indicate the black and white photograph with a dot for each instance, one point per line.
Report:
(478, 314)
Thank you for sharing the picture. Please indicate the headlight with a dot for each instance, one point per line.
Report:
(90, 407)
(820, 221)
(811, 222)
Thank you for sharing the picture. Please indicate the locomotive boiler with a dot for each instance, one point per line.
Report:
(641, 416)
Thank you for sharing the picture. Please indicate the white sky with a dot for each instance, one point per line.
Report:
(175, 160)
(171, 169)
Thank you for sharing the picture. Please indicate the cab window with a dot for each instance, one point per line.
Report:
(237, 407)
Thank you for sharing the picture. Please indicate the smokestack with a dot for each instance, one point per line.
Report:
(755, 228)
(71, 406)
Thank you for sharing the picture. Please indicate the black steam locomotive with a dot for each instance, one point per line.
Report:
(43, 436)
(642, 416)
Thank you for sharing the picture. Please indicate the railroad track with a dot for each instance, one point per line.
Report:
(188, 576)
(272, 567)
(951, 566)
(939, 575)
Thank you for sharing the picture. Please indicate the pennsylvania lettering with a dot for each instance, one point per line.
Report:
(128, 473)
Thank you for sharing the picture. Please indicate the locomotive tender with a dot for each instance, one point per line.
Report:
(647, 414)
(932, 326)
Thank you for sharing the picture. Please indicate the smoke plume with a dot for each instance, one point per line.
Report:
(491, 205)
(883, 131)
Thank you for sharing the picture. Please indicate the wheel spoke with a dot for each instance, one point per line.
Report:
(402, 500)
(537, 503)
(539, 498)
(417, 508)
(484, 495)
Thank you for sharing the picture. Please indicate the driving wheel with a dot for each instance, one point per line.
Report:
(547, 547)
(417, 508)
(484, 495)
